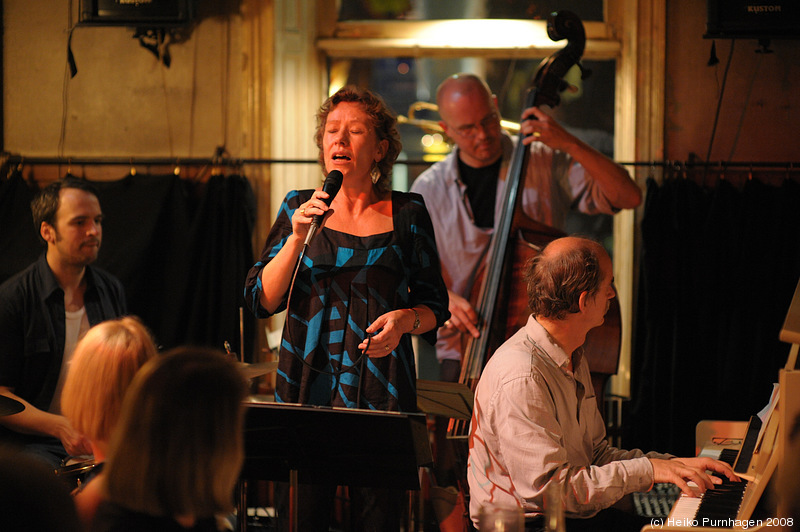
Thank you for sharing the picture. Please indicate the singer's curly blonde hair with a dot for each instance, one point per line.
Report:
(383, 120)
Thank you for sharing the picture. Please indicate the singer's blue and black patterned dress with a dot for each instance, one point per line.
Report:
(344, 283)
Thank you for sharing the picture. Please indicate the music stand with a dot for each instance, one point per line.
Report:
(445, 399)
(335, 446)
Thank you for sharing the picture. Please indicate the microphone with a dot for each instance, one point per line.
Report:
(332, 185)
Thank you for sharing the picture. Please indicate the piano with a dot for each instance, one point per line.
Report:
(759, 452)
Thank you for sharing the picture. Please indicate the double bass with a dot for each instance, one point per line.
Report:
(501, 299)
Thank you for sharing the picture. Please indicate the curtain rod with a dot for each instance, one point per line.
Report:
(146, 161)
(788, 165)
(226, 161)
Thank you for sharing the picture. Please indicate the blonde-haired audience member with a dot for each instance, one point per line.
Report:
(174, 459)
(103, 366)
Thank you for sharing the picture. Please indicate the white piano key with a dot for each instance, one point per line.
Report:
(685, 508)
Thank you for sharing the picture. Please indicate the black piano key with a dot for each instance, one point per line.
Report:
(728, 456)
(722, 502)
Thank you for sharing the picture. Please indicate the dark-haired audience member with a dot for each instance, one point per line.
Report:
(536, 425)
(43, 312)
(32, 498)
(175, 456)
(106, 360)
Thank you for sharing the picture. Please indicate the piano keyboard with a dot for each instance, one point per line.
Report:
(715, 508)
(737, 503)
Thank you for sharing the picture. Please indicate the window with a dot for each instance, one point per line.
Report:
(404, 82)
(464, 9)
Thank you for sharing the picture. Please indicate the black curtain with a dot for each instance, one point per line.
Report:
(181, 248)
(719, 266)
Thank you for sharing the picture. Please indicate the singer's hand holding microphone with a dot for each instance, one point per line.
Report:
(318, 205)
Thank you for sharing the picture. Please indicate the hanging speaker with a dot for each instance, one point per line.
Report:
(753, 19)
(157, 13)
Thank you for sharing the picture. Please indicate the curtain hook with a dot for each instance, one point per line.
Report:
(19, 167)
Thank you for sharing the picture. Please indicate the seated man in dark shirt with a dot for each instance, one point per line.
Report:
(44, 310)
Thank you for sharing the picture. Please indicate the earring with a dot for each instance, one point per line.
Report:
(375, 173)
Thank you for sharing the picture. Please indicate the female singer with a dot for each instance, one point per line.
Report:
(368, 279)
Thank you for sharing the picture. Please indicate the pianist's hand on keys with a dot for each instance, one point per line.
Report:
(680, 471)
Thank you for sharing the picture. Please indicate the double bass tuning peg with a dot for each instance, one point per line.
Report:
(585, 71)
(569, 87)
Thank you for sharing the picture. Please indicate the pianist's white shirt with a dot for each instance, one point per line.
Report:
(535, 422)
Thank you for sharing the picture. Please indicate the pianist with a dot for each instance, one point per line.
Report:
(536, 423)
